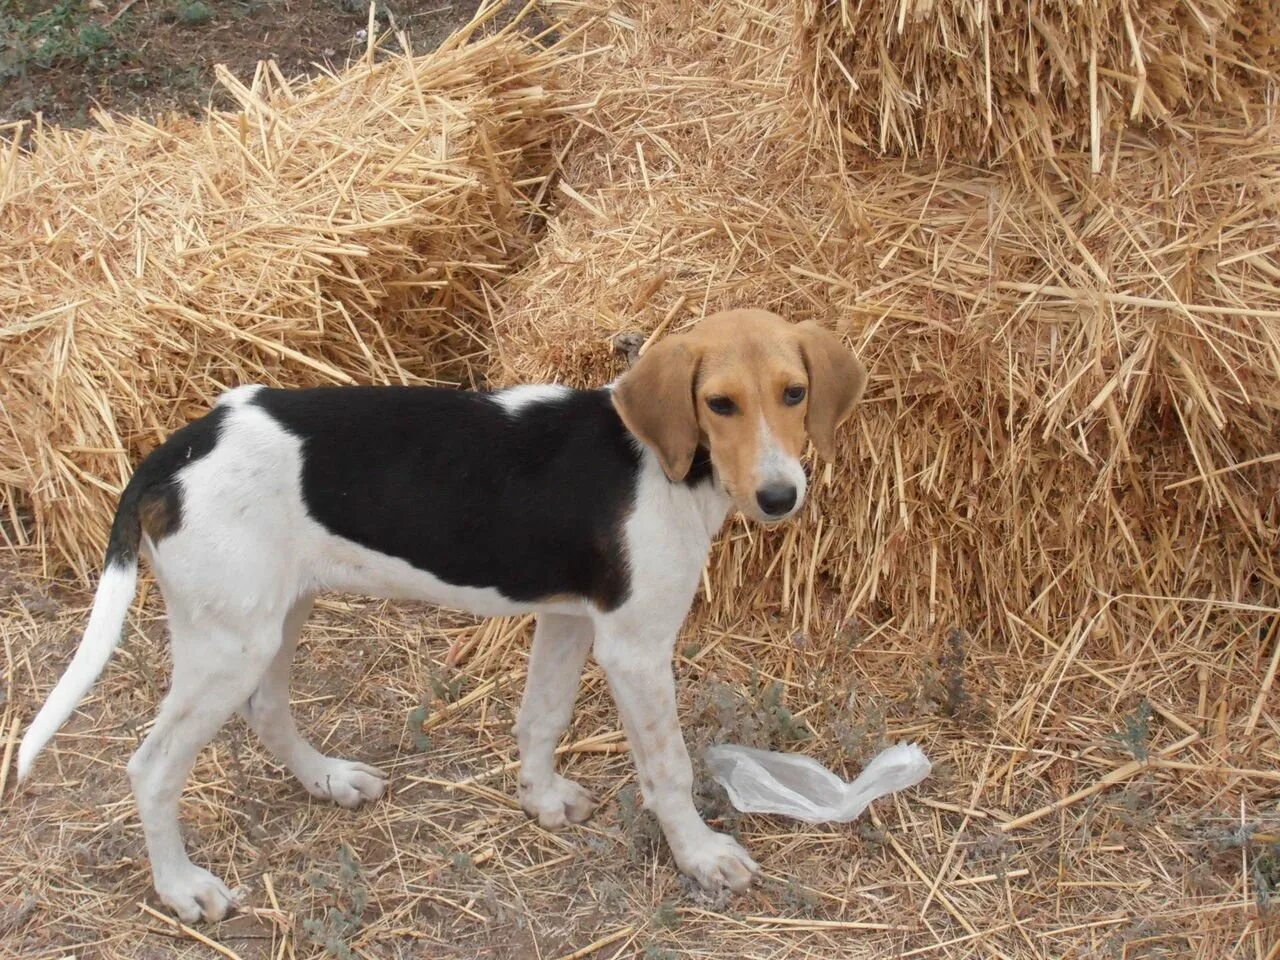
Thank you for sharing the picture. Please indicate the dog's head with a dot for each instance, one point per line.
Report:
(750, 388)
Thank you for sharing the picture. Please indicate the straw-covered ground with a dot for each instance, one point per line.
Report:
(1169, 859)
(1045, 555)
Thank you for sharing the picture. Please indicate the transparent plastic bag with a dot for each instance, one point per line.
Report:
(793, 785)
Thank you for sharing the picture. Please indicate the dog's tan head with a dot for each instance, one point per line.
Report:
(749, 387)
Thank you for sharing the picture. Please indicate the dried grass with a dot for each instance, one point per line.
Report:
(988, 79)
(331, 231)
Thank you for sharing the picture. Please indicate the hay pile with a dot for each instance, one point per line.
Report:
(1074, 380)
(986, 79)
(329, 232)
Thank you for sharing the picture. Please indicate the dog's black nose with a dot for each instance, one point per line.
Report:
(777, 499)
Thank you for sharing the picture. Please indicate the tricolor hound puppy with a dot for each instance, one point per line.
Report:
(594, 509)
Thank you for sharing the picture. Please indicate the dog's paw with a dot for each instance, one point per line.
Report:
(347, 783)
(556, 803)
(195, 894)
(716, 861)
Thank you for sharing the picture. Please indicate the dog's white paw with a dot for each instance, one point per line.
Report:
(347, 783)
(195, 894)
(716, 861)
(557, 802)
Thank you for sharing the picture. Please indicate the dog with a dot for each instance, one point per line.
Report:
(594, 509)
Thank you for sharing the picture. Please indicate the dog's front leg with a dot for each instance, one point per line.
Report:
(637, 665)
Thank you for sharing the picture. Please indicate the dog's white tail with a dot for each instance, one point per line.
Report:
(110, 606)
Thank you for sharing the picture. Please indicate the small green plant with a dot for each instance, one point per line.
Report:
(348, 897)
(1265, 874)
(943, 687)
(870, 834)
(1201, 881)
(756, 717)
(666, 915)
(1134, 807)
(862, 739)
(850, 634)
(64, 32)
(954, 696)
(1260, 842)
(711, 799)
(417, 718)
(445, 688)
(446, 685)
(644, 837)
(1137, 731)
(996, 849)
(462, 864)
(781, 724)
(193, 13)
(799, 898)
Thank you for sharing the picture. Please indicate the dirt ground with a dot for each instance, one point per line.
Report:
(1164, 863)
(61, 58)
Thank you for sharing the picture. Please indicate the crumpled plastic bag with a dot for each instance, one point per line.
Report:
(793, 785)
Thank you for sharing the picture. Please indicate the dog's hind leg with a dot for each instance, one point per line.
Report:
(215, 667)
(560, 646)
(345, 782)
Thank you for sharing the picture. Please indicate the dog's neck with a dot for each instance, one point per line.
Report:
(710, 501)
(712, 505)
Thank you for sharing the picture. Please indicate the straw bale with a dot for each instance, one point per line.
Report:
(330, 231)
(1074, 380)
(972, 79)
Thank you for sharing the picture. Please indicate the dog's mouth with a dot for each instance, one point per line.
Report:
(767, 521)
(752, 512)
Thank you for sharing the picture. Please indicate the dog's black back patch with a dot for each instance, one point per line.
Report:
(152, 500)
(530, 502)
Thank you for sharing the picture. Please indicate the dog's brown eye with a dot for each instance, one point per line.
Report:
(793, 395)
(721, 405)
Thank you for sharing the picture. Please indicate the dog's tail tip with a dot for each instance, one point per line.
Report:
(110, 607)
(26, 757)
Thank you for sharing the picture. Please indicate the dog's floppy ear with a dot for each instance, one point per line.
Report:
(655, 400)
(836, 381)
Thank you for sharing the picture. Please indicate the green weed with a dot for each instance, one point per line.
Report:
(193, 13)
(1137, 731)
(756, 717)
(63, 33)
(348, 897)
(644, 836)
(666, 916)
